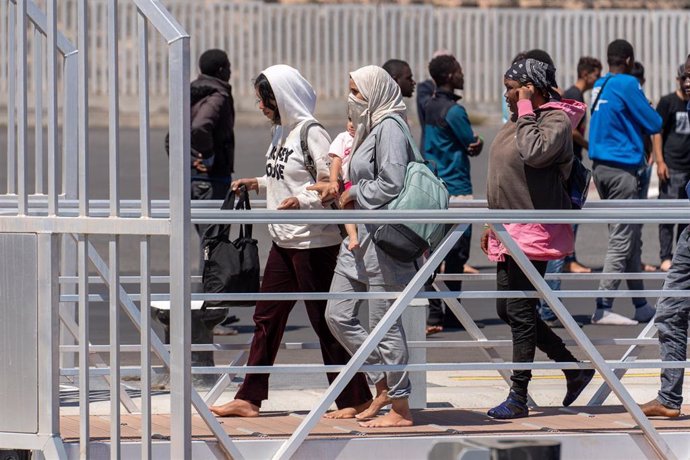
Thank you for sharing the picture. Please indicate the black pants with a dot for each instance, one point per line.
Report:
(528, 330)
(454, 263)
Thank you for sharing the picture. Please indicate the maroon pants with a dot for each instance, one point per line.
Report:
(297, 270)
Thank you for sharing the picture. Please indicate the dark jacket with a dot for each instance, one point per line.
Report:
(528, 161)
(212, 117)
(213, 120)
(447, 136)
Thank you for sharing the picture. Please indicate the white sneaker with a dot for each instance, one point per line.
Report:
(224, 330)
(644, 314)
(606, 317)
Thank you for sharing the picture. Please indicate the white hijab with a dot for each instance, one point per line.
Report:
(382, 96)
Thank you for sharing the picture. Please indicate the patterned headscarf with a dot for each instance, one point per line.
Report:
(540, 74)
(382, 97)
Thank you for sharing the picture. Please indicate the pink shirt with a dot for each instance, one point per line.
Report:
(342, 147)
(537, 241)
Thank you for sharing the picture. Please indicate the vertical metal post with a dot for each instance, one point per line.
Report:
(11, 99)
(180, 221)
(70, 184)
(83, 98)
(144, 253)
(145, 330)
(22, 144)
(84, 412)
(38, 110)
(51, 36)
(113, 256)
(82, 245)
(48, 330)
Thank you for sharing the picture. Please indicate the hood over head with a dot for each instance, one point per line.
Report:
(574, 109)
(295, 97)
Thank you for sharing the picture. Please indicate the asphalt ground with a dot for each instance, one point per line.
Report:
(252, 140)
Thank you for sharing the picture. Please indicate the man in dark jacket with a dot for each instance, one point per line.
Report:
(212, 153)
(213, 119)
(448, 143)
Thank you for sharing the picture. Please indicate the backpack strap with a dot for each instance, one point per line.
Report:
(304, 145)
(601, 91)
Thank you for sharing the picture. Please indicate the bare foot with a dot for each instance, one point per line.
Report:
(348, 412)
(236, 408)
(352, 245)
(380, 401)
(470, 269)
(398, 416)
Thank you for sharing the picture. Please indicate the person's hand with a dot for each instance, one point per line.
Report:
(251, 183)
(289, 203)
(328, 191)
(484, 241)
(526, 92)
(475, 148)
(345, 198)
(662, 172)
(199, 166)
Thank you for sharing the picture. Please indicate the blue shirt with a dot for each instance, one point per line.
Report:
(621, 118)
(447, 135)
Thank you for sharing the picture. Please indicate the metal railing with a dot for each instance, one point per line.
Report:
(65, 209)
(326, 42)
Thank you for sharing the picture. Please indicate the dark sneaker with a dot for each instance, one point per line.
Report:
(576, 382)
(513, 407)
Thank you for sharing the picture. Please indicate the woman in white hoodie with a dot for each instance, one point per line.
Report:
(303, 256)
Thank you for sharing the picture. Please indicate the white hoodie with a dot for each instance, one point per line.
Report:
(286, 175)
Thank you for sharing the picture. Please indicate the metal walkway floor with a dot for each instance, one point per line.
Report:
(583, 426)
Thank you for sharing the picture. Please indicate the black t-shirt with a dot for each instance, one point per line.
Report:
(675, 132)
(574, 93)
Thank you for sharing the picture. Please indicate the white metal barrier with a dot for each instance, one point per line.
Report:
(327, 41)
(65, 209)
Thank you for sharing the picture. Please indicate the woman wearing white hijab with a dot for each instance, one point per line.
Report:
(380, 156)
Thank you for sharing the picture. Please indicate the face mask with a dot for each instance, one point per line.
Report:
(355, 107)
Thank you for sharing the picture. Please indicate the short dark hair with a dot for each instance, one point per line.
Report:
(539, 55)
(440, 67)
(519, 57)
(212, 60)
(587, 64)
(395, 67)
(619, 51)
(637, 71)
(263, 87)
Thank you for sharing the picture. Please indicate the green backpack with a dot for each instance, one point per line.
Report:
(422, 190)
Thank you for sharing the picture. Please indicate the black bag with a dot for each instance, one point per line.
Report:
(578, 183)
(230, 266)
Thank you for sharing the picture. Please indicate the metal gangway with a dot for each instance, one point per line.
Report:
(49, 235)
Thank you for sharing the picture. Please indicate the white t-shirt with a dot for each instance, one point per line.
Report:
(342, 148)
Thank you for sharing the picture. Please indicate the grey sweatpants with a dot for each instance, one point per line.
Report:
(624, 251)
(672, 322)
(341, 316)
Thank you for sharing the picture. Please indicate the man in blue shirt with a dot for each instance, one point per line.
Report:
(621, 116)
(449, 142)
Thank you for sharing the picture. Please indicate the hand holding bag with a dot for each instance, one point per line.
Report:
(230, 266)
